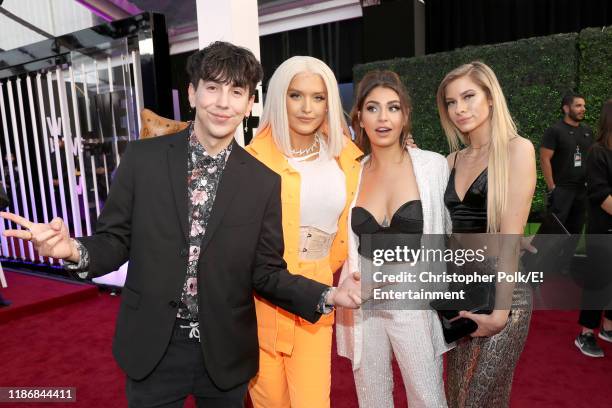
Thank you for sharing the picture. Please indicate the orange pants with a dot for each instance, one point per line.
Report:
(301, 380)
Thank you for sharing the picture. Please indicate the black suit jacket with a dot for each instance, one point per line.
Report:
(145, 221)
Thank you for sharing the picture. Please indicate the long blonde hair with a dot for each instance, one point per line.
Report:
(275, 106)
(503, 129)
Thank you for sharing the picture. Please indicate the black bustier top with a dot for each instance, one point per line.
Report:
(469, 215)
(408, 219)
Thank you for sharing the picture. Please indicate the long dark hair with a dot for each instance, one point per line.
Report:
(372, 80)
(605, 125)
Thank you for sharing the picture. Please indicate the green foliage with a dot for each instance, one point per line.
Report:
(534, 74)
(595, 70)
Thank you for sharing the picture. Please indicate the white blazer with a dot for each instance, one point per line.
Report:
(431, 173)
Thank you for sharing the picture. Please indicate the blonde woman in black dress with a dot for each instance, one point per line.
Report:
(490, 188)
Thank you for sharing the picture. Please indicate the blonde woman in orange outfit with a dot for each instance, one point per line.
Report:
(303, 138)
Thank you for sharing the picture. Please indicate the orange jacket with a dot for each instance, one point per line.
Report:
(275, 324)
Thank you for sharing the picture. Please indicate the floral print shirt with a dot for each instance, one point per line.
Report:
(203, 175)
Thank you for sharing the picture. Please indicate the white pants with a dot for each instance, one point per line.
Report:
(407, 335)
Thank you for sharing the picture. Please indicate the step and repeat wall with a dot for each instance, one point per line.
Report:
(63, 134)
(65, 121)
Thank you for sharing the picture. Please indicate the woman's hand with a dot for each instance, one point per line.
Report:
(488, 324)
(410, 142)
(526, 245)
(348, 294)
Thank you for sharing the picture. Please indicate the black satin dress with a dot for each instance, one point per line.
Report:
(408, 219)
(480, 370)
(469, 215)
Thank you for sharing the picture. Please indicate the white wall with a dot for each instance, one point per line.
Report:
(56, 17)
(234, 21)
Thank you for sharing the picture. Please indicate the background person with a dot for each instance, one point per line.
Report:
(599, 237)
(4, 202)
(562, 156)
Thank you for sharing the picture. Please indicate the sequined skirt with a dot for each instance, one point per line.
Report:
(480, 370)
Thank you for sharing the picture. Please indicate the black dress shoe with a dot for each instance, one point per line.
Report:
(4, 302)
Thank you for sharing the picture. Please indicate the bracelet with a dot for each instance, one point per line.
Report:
(83, 263)
(322, 306)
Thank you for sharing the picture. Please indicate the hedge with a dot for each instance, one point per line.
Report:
(534, 74)
(595, 70)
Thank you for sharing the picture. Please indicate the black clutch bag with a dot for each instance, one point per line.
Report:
(479, 298)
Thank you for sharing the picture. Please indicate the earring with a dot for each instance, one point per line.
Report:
(246, 124)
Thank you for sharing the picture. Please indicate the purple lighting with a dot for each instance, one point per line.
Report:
(95, 10)
(110, 10)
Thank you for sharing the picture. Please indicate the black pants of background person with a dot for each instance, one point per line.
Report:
(181, 372)
(597, 283)
(591, 319)
(569, 205)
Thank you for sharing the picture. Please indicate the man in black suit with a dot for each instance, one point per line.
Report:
(199, 220)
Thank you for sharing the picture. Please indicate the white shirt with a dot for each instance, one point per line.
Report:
(322, 191)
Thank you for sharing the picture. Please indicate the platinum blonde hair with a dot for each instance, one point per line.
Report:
(275, 106)
(503, 129)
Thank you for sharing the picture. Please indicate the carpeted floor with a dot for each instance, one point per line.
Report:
(30, 293)
(71, 346)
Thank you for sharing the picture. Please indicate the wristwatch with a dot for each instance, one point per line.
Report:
(322, 306)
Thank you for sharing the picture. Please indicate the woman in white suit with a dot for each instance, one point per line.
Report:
(401, 191)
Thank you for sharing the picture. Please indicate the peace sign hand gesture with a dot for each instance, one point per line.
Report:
(52, 239)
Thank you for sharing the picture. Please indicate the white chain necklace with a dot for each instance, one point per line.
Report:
(308, 150)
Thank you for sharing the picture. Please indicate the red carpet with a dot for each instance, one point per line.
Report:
(30, 293)
(553, 373)
(71, 346)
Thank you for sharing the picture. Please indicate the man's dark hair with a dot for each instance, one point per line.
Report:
(225, 63)
(568, 99)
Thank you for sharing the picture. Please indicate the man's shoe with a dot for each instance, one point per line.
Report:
(4, 302)
(588, 346)
(606, 335)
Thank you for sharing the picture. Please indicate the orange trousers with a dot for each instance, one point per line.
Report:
(303, 378)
